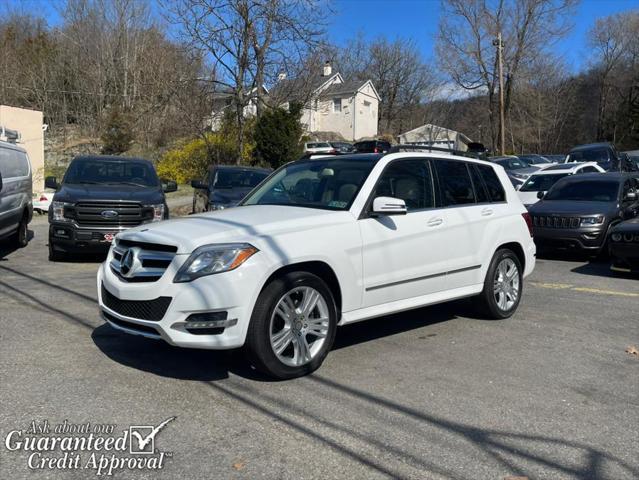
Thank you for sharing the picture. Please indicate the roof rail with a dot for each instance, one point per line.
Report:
(430, 148)
(7, 135)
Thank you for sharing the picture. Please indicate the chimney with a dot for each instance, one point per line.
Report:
(327, 69)
(281, 76)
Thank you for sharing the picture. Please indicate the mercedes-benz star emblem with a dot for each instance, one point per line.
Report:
(126, 264)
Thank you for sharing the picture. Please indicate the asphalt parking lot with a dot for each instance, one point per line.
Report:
(433, 393)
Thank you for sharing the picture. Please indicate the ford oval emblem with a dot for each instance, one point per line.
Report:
(109, 214)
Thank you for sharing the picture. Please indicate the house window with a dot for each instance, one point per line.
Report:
(337, 104)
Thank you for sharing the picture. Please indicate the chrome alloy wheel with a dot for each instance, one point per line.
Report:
(506, 284)
(299, 326)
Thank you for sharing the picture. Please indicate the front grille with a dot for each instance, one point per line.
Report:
(125, 214)
(152, 310)
(149, 260)
(547, 221)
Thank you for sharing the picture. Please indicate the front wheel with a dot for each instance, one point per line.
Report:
(293, 326)
(503, 285)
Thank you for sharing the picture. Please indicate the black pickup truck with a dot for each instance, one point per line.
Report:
(99, 197)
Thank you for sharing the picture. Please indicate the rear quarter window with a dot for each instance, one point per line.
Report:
(495, 189)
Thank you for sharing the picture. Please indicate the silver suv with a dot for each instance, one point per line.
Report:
(16, 189)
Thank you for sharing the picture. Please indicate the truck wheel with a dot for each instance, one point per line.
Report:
(54, 255)
(21, 237)
(292, 327)
(503, 286)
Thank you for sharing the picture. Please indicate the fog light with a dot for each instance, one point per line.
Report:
(61, 232)
(209, 320)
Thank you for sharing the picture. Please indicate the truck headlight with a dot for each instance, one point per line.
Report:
(158, 211)
(211, 259)
(592, 220)
(58, 211)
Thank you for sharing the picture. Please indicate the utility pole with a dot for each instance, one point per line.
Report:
(502, 128)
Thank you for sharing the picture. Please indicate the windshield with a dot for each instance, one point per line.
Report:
(512, 163)
(327, 184)
(585, 191)
(318, 145)
(533, 159)
(541, 183)
(591, 155)
(237, 178)
(95, 170)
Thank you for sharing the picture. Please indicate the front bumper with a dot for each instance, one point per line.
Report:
(68, 237)
(232, 292)
(587, 239)
(624, 256)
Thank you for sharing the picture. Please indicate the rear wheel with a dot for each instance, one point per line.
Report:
(503, 285)
(293, 326)
(21, 237)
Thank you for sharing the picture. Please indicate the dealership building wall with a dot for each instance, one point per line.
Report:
(29, 124)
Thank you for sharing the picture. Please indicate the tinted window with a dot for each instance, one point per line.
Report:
(318, 145)
(493, 185)
(327, 184)
(480, 191)
(584, 191)
(231, 178)
(601, 154)
(512, 163)
(95, 170)
(588, 170)
(13, 163)
(455, 186)
(541, 183)
(410, 180)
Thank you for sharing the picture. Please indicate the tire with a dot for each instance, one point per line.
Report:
(21, 237)
(499, 304)
(54, 255)
(270, 328)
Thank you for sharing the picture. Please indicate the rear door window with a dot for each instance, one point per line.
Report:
(13, 163)
(493, 185)
(455, 186)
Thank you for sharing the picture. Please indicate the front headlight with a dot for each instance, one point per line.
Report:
(58, 211)
(158, 211)
(211, 259)
(592, 220)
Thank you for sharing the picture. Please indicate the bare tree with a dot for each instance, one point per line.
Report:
(465, 42)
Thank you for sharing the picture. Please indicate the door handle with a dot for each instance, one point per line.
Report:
(433, 222)
(487, 211)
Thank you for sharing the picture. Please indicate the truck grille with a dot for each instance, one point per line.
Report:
(548, 221)
(109, 214)
(152, 310)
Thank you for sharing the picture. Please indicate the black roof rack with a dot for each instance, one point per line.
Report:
(430, 148)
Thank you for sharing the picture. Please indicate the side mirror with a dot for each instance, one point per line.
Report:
(51, 182)
(389, 206)
(198, 184)
(540, 195)
(169, 186)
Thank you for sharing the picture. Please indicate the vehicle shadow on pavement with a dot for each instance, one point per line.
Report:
(6, 248)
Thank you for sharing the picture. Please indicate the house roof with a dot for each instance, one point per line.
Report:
(300, 88)
(350, 86)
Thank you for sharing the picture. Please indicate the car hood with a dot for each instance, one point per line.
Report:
(569, 207)
(251, 223)
(629, 226)
(91, 192)
(231, 196)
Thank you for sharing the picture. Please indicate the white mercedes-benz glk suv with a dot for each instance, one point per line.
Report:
(322, 243)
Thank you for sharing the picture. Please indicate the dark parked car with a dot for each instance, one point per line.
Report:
(16, 205)
(624, 246)
(605, 154)
(224, 186)
(342, 147)
(99, 197)
(372, 146)
(517, 170)
(533, 159)
(579, 210)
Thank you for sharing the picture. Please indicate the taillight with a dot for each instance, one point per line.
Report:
(375, 150)
(43, 198)
(528, 220)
